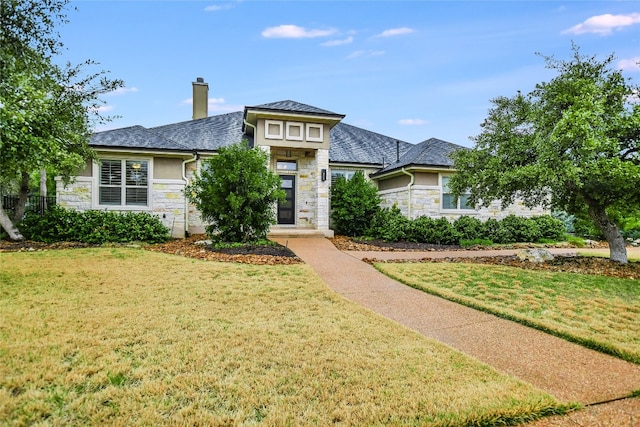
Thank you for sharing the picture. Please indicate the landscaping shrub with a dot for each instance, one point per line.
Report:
(59, 224)
(235, 193)
(435, 231)
(469, 227)
(419, 229)
(519, 229)
(549, 227)
(567, 220)
(354, 204)
(389, 224)
(584, 227)
(492, 229)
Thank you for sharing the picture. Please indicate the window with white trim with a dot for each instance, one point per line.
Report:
(295, 131)
(315, 132)
(123, 182)
(449, 201)
(273, 129)
(347, 174)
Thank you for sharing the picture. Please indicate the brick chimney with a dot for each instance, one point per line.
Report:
(200, 99)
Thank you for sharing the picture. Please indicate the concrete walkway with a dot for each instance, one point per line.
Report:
(567, 371)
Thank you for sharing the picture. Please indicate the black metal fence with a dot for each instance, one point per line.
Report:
(37, 204)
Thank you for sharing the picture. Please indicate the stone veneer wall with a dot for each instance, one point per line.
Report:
(307, 177)
(76, 195)
(167, 200)
(426, 202)
(323, 190)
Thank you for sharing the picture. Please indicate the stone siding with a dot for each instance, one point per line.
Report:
(75, 195)
(425, 201)
(167, 200)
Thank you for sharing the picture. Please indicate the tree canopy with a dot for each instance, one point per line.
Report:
(571, 144)
(236, 194)
(47, 111)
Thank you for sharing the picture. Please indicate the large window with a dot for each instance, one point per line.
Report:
(448, 199)
(124, 182)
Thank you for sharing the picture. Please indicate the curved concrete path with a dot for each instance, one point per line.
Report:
(567, 371)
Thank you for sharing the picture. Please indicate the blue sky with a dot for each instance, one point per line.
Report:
(407, 69)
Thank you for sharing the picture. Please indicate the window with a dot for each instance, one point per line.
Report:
(130, 189)
(273, 129)
(347, 174)
(449, 201)
(314, 132)
(295, 131)
(287, 165)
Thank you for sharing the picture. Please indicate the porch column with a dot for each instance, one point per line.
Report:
(322, 211)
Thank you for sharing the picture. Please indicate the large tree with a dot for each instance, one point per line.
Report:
(46, 110)
(571, 144)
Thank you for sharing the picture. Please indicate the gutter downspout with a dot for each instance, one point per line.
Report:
(196, 156)
(255, 130)
(411, 182)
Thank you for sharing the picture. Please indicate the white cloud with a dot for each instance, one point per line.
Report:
(365, 54)
(294, 32)
(631, 64)
(604, 24)
(219, 7)
(215, 104)
(413, 122)
(331, 43)
(123, 91)
(396, 32)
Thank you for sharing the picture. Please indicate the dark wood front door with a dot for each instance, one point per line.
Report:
(287, 208)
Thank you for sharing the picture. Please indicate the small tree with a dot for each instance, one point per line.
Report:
(236, 193)
(572, 144)
(354, 203)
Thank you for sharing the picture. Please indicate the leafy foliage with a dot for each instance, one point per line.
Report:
(236, 194)
(46, 110)
(572, 144)
(468, 227)
(389, 224)
(354, 204)
(59, 225)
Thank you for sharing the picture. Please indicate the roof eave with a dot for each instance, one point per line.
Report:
(410, 168)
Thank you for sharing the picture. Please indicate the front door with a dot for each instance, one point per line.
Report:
(287, 208)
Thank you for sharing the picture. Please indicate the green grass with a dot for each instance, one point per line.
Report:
(599, 312)
(129, 337)
(633, 254)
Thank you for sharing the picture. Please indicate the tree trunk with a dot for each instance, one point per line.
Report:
(617, 246)
(43, 191)
(8, 226)
(23, 196)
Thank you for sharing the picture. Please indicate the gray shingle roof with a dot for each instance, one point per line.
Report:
(207, 134)
(432, 152)
(351, 144)
(133, 137)
(294, 107)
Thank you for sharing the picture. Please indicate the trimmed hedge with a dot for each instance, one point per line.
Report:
(390, 225)
(59, 224)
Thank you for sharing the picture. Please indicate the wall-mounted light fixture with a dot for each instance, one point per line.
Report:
(323, 175)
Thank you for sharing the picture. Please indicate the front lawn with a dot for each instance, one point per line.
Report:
(597, 311)
(122, 336)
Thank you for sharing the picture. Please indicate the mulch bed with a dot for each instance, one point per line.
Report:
(571, 264)
(279, 255)
(261, 255)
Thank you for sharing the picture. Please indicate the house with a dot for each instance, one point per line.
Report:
(146, 169)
